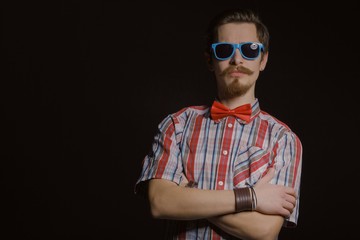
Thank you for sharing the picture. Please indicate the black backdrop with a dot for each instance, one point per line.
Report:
(84, 85)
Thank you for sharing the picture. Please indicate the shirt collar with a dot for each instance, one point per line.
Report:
(255, 110)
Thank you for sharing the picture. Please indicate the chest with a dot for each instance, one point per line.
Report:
(226, 154)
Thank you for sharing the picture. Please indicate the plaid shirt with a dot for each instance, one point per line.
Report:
(223, 154)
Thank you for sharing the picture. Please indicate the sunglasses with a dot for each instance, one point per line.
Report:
(249, 50)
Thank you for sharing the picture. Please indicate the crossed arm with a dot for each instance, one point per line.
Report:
(170, 201)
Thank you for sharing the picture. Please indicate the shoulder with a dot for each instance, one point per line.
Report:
(185, 114)
(190, 112)
(278, 127)
(273, 120)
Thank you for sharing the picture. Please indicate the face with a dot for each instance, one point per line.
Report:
(237, 76)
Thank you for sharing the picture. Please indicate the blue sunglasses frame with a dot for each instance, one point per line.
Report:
(237, 46)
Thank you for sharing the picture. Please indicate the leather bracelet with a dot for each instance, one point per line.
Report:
(243, 199)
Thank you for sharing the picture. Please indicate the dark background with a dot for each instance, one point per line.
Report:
(84, 85)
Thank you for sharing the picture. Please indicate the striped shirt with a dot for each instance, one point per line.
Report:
(222, 155)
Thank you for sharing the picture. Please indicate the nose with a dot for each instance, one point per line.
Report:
(237, 58)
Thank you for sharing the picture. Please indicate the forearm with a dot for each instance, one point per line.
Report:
(250, 225)
(167, 200)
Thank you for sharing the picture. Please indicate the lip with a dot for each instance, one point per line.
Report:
(236, 74)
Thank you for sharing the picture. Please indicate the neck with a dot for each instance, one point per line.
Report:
(237, 101)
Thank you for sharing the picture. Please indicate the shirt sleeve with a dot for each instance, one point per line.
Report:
(163, 160)
(288, 162)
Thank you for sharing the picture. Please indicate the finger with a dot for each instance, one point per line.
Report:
(290, 199)
(290, 191)
(269, 175)
(183, 180)
(285, 213)
(288, 206)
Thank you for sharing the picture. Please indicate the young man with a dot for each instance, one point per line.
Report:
(228, 170)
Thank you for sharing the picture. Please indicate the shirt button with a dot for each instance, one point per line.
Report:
(221, 183)
(225, 152)
(230, 125)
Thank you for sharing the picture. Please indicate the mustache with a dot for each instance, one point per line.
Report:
(241, 69)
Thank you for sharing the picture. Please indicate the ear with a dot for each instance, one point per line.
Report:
(209, 61)
(263, 61)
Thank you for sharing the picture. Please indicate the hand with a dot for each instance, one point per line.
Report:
(184, 180)
(274, 199)
(186, 183)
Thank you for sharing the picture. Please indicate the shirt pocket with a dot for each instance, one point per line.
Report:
(250, 164)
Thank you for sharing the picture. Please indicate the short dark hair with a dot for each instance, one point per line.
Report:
(236, 16)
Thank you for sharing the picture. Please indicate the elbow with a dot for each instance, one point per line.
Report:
(155, 210)
(161, 199)
(158, 208)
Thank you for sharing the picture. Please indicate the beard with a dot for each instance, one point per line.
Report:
(234, 89)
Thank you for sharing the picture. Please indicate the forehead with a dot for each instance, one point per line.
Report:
(237, 32)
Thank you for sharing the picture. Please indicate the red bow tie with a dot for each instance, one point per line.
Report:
(219, 111)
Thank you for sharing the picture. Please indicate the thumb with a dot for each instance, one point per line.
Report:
(268, 176)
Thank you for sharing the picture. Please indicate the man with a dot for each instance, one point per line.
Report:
(228, 171)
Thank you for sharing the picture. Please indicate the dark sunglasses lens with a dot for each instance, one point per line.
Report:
(250, 50)
(224, 50)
